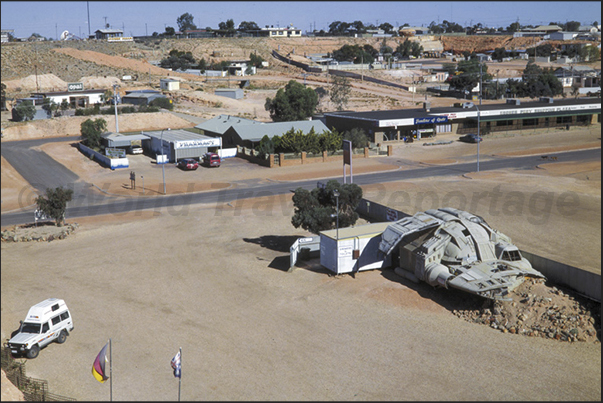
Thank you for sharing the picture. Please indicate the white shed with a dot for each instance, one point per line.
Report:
(169, 84)
(354, 249)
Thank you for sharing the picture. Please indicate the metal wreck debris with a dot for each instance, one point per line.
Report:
(453, 248)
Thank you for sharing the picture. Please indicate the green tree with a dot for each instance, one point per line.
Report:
(355, 54)
(499, 53)
(227, 28)
(169, 31)
(49, 107)
(24, 111)
(64, 106)
(178, 60)
(294, 102)
(248, 26)
(91, 131)
(408, 48)
(330, 141)
(265, 147)
(55, 204)
(340, 92)
(514, 27)
(106, 96)
(357, 136)
(316, 210)
(255, 60)
(164, 103)
(185, 22)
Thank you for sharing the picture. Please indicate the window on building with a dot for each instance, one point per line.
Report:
(564, 119)
(529, 122)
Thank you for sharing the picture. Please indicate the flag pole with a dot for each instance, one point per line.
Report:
(111, 368)
(180, 377)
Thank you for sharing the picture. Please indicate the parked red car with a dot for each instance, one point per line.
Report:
(188, 164)
(211, 160)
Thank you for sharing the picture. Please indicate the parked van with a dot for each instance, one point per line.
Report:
(48, 321)
(211, 160)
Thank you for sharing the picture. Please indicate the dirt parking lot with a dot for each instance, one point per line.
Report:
(213, 280)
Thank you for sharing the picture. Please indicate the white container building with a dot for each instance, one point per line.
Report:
(353, 249)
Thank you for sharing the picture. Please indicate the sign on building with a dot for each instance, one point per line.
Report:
(431, 120)
(75, 87)
(214, 142)
(115, 152)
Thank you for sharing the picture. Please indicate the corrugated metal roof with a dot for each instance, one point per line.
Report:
(256, 132)
(224, 122)
(176, 135)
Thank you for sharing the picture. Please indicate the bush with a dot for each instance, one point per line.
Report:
(164, 103)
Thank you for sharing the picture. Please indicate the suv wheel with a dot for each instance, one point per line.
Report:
(33, 352)
(62, 337)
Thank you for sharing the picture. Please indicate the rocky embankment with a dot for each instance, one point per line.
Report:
(539, 310)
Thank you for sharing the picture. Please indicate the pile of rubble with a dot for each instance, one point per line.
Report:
(40, 233)
(538, 310)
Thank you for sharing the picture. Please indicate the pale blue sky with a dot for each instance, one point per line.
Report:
(50, 18)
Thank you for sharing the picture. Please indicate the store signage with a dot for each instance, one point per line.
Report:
(75, 87)
(431, 120)
(197, 143)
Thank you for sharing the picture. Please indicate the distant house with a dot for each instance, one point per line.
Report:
(108, 33)
(286, 32)
(547, 29)
(562, 36)
(5, 34)
(141, 97)
(483, 57)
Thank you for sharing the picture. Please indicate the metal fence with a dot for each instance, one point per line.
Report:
(34, 390)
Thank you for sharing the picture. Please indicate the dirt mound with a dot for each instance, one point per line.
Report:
(33, 83)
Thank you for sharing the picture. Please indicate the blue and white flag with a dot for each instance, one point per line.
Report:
(176, 365)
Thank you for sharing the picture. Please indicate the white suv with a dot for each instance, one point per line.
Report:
(48, 321)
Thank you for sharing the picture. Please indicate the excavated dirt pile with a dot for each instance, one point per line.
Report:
(539, 310)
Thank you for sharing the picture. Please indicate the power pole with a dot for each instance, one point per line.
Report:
(146, 33)
(56, 32)
(105, 22)
(88, 8)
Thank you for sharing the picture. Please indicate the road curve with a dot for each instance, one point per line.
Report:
(176, 204)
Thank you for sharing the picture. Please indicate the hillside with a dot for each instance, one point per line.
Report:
(70, 61)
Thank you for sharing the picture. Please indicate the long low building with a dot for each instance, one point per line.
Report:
(394, 125)
(179, 144)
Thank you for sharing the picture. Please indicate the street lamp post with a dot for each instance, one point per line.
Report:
(478, 137)
(115, 86)
(162, 159)
(336, 194)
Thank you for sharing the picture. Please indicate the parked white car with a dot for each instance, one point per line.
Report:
(48, 321)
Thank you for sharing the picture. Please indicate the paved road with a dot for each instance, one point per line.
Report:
(86, 203)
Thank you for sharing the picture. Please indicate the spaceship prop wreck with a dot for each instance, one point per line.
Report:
(453, 248)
